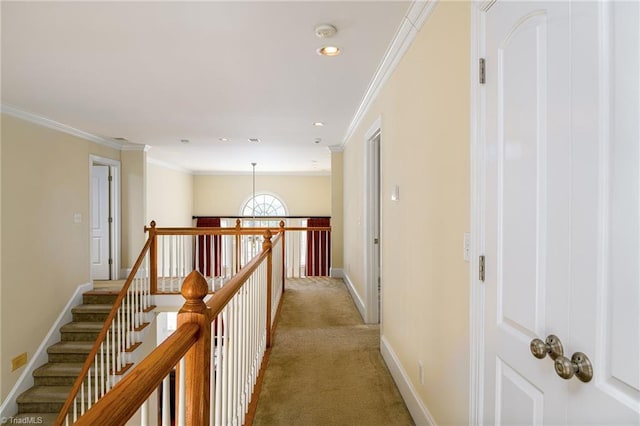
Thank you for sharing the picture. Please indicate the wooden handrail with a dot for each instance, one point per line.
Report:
(101, 336)
(136, 386)
(234, 231)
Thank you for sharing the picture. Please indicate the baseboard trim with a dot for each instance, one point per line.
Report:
(336, 272)
(9, 407)
(419, 412)
(357, 300)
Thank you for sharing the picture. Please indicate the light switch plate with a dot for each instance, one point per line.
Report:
(467, 247)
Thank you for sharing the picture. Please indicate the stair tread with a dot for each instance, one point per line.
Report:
(44, 394)
(92, 308)
(70, 347)
(82, 326)
(56, 369)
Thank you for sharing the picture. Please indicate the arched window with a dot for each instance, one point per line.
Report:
(264, 205)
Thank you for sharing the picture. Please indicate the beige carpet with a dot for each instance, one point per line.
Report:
(325, 366)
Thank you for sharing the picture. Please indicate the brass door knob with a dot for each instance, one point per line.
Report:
(552, 346)
(579, 365)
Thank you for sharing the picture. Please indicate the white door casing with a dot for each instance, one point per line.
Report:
(100, 225)
(561, 210)
(372, 241)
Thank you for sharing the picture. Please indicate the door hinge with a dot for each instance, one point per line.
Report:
(110, 178)
(110, 261)
(482, 71)
(110, 220)
(481, 268)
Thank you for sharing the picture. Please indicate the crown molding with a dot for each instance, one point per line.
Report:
(413, 21)
(336, 148)
(231, 173)
(54, 125)
(135, 147)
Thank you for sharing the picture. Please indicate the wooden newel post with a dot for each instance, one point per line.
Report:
(153, 258)
(267, 245)
(197, 361)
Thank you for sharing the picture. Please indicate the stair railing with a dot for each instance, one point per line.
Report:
(121, 334)
(217, 350)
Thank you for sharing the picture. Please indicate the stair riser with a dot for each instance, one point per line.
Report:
(89, 317)
(94, 299)
(54, 381)
(67, 357)
(39, 407)
(79, 336)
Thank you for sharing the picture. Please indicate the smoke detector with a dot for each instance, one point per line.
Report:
(325, 31)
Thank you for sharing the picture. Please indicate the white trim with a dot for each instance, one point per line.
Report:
(9, 407)
(354, 295)
(417, 15)
(336, 272)
(135, 147)
(238, 173)
(51, 124)
(477, 170)
(166, 165)
(419, 411)
(272, 194)
(372, 267)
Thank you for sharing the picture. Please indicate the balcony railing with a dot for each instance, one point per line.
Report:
(225, 348)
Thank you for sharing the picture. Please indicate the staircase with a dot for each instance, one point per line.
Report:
(53, 381)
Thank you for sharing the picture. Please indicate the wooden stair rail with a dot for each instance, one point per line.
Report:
(103, 333)
(192, 339)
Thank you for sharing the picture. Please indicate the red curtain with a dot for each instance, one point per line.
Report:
(209, 248)
(318, 248)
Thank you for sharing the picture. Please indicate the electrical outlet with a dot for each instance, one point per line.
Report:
(466, 247)
(421, 372)
(18, 361)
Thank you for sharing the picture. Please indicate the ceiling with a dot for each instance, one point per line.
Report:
(157, 73)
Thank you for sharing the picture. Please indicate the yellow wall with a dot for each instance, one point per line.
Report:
(424, 111)
(45, 255)
(337, 209)
(134, 205)
(169, 196)
(220, 195)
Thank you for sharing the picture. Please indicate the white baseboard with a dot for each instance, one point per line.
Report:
(9, 407)
(419, 412)
(354, 295)
(336, 273)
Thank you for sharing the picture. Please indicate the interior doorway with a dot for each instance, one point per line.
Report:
(104, 218)
(372, 225)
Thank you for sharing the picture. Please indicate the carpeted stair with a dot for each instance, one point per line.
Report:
(53, 381)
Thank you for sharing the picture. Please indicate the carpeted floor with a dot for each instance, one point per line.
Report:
(325, 366)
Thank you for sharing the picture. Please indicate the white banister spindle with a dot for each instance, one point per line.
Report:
(166, 401)
(181, 384)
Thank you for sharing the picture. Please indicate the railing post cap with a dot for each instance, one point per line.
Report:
(153, 223)
(194, 289)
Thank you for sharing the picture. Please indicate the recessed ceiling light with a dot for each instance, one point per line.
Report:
(318, 123)
(318, 140)
(329, 51)
(184, 140)
(223, 139)
(254, 140)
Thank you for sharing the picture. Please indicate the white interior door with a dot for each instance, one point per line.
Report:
(561, 194)
(100, 226)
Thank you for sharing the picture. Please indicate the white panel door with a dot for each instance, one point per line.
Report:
(100, 226)
(562, 210)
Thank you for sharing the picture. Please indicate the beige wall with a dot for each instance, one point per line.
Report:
(424, 111)
(45, 255)
(134, 205)
(220, 195)
(169, 196)
(337, 210)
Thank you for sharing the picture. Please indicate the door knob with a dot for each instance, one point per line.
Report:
(579, 365)
(552, 346)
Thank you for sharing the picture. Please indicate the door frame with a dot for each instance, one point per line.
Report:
(372, 260)
(477, 222)
(114, 212)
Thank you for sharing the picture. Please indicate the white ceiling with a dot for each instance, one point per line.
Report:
(158, 72)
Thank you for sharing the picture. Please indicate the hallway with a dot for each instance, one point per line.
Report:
(325, 366)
